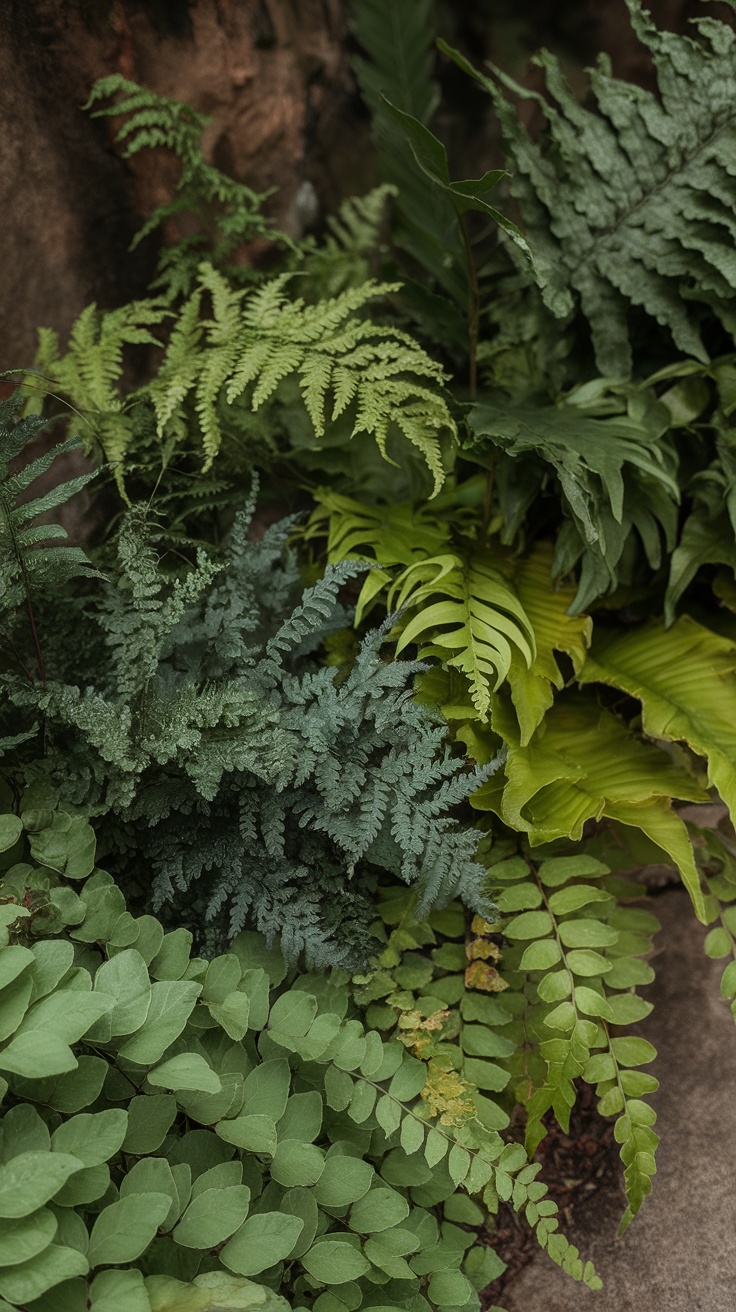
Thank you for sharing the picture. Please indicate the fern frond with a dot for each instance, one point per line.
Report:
(657, 227)
(616, 468)
(465, 612)
(27, 563)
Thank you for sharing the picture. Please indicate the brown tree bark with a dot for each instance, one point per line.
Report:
(273, 74)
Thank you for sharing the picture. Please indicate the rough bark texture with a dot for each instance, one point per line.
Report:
(273, 74)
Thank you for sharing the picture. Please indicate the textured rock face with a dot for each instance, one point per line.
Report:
(679, 1255)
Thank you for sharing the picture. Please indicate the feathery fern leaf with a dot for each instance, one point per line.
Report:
(153, 121)
(465, 612)
(252, 784)
(657, 227)
(555, 630)
(342, 360)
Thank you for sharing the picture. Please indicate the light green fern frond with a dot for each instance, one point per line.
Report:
(341, 358)
(465, 612)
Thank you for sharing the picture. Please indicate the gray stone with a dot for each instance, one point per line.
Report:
(679, 1254)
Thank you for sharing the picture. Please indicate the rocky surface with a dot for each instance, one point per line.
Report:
(679, 1255)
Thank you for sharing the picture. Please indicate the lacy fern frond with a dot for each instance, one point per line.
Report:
(344, 361)
(352, 248)
(253, 785)
(656, 229)
(152, 122)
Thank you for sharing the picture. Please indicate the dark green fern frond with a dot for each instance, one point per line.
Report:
(631, 203)
(27, 561)
(398, 39)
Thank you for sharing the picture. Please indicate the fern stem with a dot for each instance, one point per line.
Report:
(34, 633)
(473, 313)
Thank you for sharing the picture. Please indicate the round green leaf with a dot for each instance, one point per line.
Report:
(379, 1209)
(530, 924)
(585, 962)
(555, 986)
(32, 1179)
(256, 1134)
(296, 1163)
(212, 1217)
(343, 1181)
(541, 955)
(29, 1280)
(25, 1237)
(118, 1291)
(627, 1008)
(565, 900)
(728, 981)
(93, 1138)
(450, 1289)
(11, 829)
(409, 1079)
(334, 1262)
(718, 943)
(561, 1017)
(631, 1051)
(587, 934)
(125, 977)
(591, 1003)
(124, 1229)
(188, 1070)
(261, 1242)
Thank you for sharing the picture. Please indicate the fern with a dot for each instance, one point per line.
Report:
(657, 227)
(572, 968)
(352, 246)
(249, 784)
(616, 472)
(375, 375)
(228, 212)
(397, 39)
(29, 563)
(583, 764)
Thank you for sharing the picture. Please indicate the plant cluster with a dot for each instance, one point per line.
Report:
(394, 757)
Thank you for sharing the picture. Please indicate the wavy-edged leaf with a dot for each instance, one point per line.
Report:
(655, 170)
(616, 475)
(583, 764)
(684, 679)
